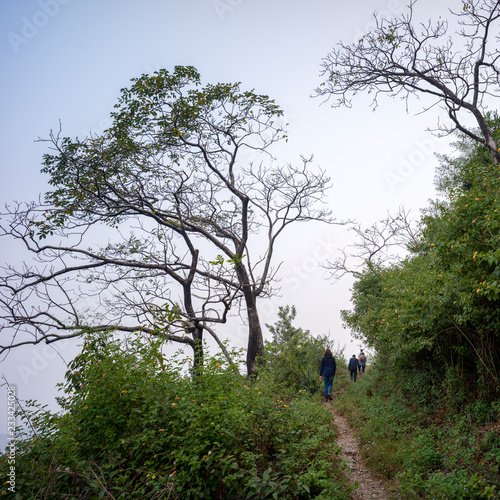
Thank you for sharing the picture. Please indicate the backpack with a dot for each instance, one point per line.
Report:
(362, 359)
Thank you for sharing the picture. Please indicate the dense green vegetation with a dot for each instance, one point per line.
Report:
(438, 311)
(428, 414)
(134, 425)
(425, 444)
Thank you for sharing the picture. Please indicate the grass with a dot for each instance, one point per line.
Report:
(426, 449)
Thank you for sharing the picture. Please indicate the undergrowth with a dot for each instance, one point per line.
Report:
(426, 446)
(134, 426)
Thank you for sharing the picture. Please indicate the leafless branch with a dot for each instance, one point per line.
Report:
(382, 243)
(400, 58)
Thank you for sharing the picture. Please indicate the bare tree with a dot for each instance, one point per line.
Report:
(191, 225)
(380, 244)
(128, 285)
(402, 58)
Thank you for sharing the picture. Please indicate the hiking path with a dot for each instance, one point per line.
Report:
(370, 487)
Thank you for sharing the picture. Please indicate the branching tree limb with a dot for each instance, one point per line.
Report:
(157, 225)
(382, 243)
(401, 58)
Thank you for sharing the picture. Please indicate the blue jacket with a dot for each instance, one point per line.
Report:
(353, 364)
(328, 366)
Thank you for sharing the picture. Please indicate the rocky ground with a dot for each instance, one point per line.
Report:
(370, 487)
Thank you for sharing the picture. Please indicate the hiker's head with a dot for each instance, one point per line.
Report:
(327, 353)
(354, 355)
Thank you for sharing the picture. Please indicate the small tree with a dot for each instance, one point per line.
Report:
(283, 330)
(296, 354)
(402, 58)
(181, 209)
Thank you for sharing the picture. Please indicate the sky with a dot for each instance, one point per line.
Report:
(65, 61)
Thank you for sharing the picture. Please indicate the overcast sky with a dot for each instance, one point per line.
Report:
(66, 61)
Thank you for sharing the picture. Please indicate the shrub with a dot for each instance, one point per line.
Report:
(426, 450)
(133, 425)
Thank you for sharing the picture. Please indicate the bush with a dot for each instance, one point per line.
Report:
(132, 426)
(426, 450)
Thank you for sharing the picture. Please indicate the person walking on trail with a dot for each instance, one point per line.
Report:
(353, 367)
(362, 362)
(327, 372)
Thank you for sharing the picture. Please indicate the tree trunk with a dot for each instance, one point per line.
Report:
(255, 338)
(495, 155)
(198, 353)
(489, 140)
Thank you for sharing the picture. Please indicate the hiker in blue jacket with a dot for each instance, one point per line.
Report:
(353, 367)
(327, 372)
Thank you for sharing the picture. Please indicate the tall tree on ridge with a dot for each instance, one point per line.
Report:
(180, 206)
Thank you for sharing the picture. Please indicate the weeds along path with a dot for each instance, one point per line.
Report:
(369, 486)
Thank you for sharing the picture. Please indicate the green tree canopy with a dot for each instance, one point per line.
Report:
(441, 305)
(190, 201)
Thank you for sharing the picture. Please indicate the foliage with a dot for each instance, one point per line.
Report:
(418, 444)
(429, 411)
(454, 172)
(283, 331)
(294, 354)
(441, 305)
(133, 426)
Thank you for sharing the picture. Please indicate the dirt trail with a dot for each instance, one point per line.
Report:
(369, 486)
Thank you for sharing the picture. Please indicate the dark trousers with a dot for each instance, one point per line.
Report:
(353, 374)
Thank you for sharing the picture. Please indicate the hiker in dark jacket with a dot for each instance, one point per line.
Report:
(327, 372)
(353, 367)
